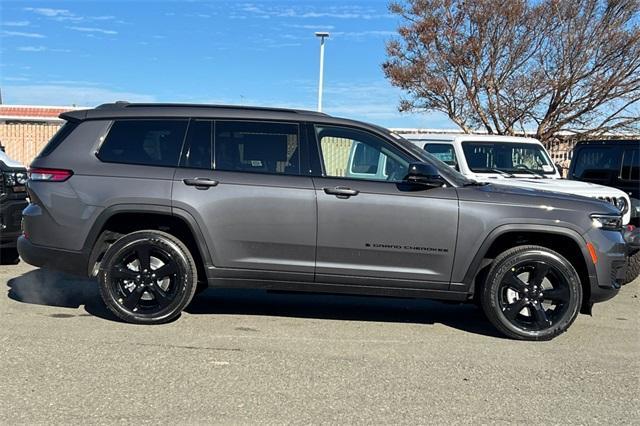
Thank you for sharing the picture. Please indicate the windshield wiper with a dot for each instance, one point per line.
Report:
(528, 170)
(503, 173)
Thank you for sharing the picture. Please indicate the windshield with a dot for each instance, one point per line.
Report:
(496, 157)
(447, 172)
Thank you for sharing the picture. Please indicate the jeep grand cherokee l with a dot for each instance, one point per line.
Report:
(155, 198)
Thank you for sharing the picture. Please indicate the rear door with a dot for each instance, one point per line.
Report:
(377, 229)
(249, 197)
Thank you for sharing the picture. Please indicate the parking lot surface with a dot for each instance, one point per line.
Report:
(246, 356)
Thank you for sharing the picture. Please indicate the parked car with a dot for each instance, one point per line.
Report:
(13, 199)
(514, 161)
(152, 198)
(615, 163)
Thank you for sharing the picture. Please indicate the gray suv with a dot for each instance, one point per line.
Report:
(157, 200)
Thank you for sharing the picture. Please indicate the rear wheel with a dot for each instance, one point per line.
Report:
(147, 277)
(531, 293)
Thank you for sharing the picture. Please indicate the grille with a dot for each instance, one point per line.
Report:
(610, 200)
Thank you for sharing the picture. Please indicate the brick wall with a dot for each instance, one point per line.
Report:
(23, 141)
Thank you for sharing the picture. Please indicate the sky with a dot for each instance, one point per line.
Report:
(260, 53)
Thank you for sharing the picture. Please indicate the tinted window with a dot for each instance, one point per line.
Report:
(147, 142)
(57, 139)
(595, 162)
(257, 147)
(356, 154)
(197, 147)
(443, 152)
(630, 164)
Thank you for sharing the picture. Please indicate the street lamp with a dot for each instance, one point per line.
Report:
(322, 36)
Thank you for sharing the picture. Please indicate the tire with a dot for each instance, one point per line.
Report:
(9, 256)
(633, 268)
(147, 277)
(531, 293)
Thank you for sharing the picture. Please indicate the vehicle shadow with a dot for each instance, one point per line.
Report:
(52, 288)
(44, 287)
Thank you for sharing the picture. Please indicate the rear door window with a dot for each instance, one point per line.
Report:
(257, 147)
(144, 142)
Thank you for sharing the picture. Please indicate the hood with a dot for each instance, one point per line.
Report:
(8, 162)
(535, 198)
(557, 185)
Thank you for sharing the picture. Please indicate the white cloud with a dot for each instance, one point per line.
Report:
(312, 27)
(82, 95)
(16, 23)
(335, 12)
(15, 79)
(363, 34)
(48, 12)
(22, 34)
(93, 30)
(41, 49)
(32, 48)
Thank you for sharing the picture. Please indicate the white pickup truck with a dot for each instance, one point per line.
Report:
(511, 160)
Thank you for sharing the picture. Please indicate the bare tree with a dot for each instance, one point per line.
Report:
(505, 66)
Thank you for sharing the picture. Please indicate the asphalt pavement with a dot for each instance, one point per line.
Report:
(247, 356)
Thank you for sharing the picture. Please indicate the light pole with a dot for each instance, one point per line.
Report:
(322, 36)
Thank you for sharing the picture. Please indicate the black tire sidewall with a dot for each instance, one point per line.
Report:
(505, 263)
(183, 259)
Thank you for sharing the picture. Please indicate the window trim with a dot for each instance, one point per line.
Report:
(110, 127)
(298, 125)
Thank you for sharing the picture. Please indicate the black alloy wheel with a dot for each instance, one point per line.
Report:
(531, 293)
(147, 277)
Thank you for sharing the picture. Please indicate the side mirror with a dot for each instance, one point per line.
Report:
(424, 174)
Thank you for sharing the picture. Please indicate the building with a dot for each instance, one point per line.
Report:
(25, 129)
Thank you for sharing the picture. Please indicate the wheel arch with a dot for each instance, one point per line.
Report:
(124, 218)
(566, 242)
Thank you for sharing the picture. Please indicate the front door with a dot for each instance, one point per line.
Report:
(373, 225)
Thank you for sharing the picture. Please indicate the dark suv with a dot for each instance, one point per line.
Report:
(614, 163)
(157, 199)
(13, 199)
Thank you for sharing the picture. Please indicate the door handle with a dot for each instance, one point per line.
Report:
(200, 183)
(341, 192)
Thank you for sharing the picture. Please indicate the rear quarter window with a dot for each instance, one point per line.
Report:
(144, 142)
(58, 138)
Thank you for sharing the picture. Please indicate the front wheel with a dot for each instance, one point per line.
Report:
(633, 268)
(147, 277)
(531, 293)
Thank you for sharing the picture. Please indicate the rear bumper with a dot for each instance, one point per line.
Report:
(72, 262)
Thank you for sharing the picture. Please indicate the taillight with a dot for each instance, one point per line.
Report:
(49, 175)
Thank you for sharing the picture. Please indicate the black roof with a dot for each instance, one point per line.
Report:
(610, 141)
(123, 109)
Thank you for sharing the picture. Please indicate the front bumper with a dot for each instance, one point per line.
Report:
(609, 269)
(10, 218)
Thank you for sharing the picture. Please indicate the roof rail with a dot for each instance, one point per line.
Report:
(124, 104)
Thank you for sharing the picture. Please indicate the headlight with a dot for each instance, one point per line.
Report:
(621, 204)
(21, 178)
(607, 222)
